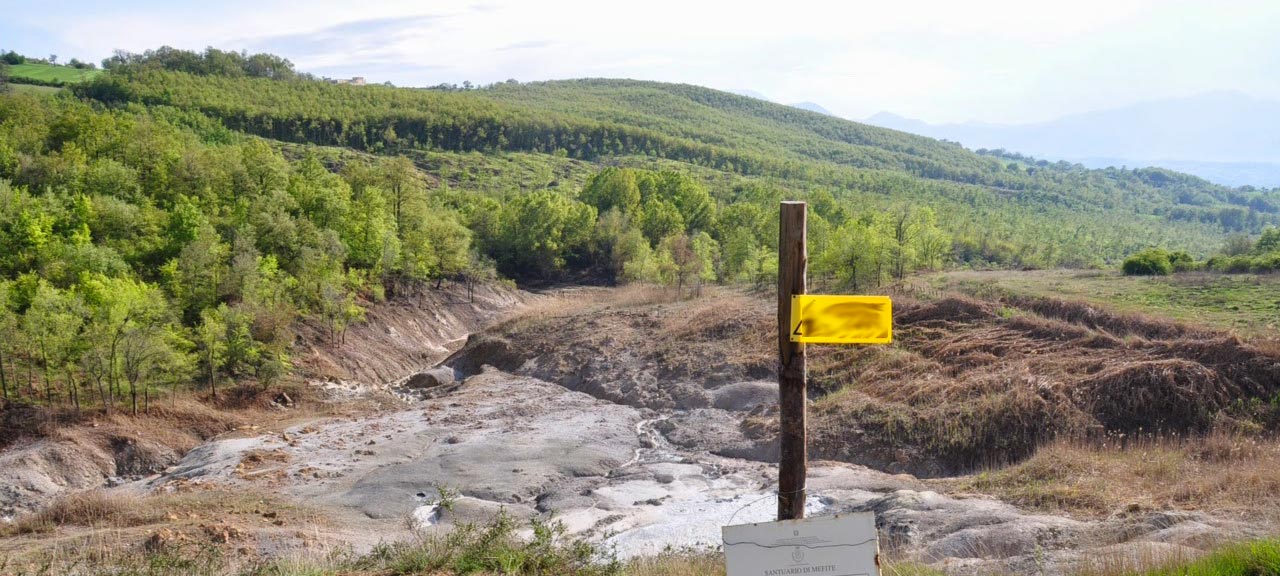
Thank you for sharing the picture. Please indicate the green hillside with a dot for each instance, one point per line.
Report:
(1007, 211)
(49, 74)
(220, 196)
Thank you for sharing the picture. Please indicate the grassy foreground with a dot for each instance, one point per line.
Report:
(500, 547)
(1255, 559)
(1260, 558)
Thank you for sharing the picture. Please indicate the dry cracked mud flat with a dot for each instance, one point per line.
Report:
(638, 455)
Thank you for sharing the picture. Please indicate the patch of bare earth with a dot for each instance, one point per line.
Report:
(1113, 430)
(639, 345)
(413, 329)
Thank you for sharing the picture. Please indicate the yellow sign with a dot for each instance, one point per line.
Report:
(822, 319)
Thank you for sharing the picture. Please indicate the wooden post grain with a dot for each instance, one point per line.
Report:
(792, 271)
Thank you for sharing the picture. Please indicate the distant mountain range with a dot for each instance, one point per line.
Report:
(1226, 137)
(810, 106)
(750, 94)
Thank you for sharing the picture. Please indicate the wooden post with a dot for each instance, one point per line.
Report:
(792, 271)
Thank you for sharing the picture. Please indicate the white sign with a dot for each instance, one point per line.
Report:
(842, 545)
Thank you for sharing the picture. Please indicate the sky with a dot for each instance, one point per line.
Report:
(991, 61)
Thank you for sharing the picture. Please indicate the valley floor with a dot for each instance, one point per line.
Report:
(644, 422)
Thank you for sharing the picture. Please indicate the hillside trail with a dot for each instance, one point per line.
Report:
(638, 473)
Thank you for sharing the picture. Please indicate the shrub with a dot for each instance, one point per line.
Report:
(1260, 264)
(1268, 241)
(1149, 262)
(1182, 262)
(1237, 264)
(492, 548)
(92, 508)
(1264, 263)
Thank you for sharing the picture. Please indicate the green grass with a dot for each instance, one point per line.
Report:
(1258, 558)
(1246, 304)
(33, 89)
(50, 73)
(909, 569)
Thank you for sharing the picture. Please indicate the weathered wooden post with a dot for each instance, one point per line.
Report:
(849, 543)
(792, 271)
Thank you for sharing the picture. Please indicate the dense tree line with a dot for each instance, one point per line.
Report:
(1239, 254)
(1242, 253)
(1003, 210)
(211, 62)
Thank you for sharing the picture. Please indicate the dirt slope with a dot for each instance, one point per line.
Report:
(414, 329)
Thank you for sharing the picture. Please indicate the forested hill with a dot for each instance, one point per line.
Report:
(197, 204)
(595, 119)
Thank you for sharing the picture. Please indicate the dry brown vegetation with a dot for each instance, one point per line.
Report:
(94, 508)
(179, 420)
(190, 531)
(692, 564)
(1228, 473)
(972, 384)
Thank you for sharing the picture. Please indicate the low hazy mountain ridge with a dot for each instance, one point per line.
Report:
(812, 107)
(1227, 137)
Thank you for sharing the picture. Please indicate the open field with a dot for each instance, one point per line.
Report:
(50, 73)
(32, 89)
(1247, 304)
